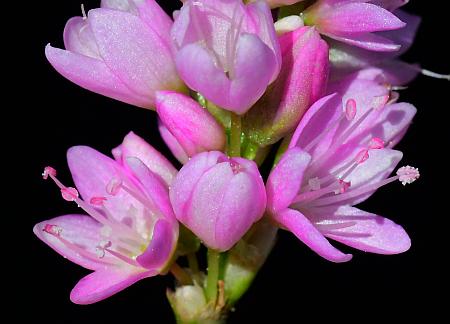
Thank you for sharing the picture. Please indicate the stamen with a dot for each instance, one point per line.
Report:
(376, 143)
(100, 249)
(69, 193)
(83, 12)
(362, 156)
(343, 187)
(113, 187)
(52, 229)
(435, 75)
(56, 231)
(314, 183)
(48, 171)
(98, 201)
(405, 174)
(350, 109)
(123, 257)
(408, 174)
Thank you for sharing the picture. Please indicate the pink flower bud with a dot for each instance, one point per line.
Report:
(301, 82)
(218, 198)
(187, 127)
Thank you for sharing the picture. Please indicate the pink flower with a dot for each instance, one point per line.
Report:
(355, 21)
(302, 81)
(121, 50)
(131, 231)
(346, 59)
(226, 50)
(186, 127)
(218, 198)
(340, 154)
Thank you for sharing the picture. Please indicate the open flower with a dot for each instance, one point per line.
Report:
(226, 50)
(218, 198)
(355, 22)
(131, 231)
(340, 154)
(121, 50)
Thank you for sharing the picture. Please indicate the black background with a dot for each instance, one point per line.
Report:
(295, 283)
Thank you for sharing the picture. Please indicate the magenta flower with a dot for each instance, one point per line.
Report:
(186, 127)
(226, 50)
(339, 155)
(218, 198)
(121, 50)
(131, 231)
(302, 81)
(355, 22)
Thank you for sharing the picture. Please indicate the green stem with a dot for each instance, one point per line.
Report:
(234, 147)
(213, 274)
(180, 274)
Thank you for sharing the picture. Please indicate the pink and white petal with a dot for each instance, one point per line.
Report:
(369, 41)
(134, 52)
(104, 283)
(370, 233)
(162, 245)
(82, 231)
(135, 146)
(156, 190)
(78, 38)
(355, 17)
(92, 74)
(285, 180)
(300, 226)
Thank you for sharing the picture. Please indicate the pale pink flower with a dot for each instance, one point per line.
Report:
(121, 50)
(340, 154)
(186, 127)
(226, 50)
(218, 198)
(131, 231)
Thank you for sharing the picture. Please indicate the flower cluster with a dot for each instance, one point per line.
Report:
(228, 83)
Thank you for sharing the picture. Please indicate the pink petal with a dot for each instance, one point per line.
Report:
(162, 245)
(157, 191)
(390, 5)
(78, 38)
(354, 17)
(300, 226)
(369, 41)
(104, 283)
(205, 205)
(134, 52)
(80, 230)
(371, 233)
(188, 177)
(135, 146)
(148, 10)
(237, 215)
(93, 75)
(285, 179)
(173, 144)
